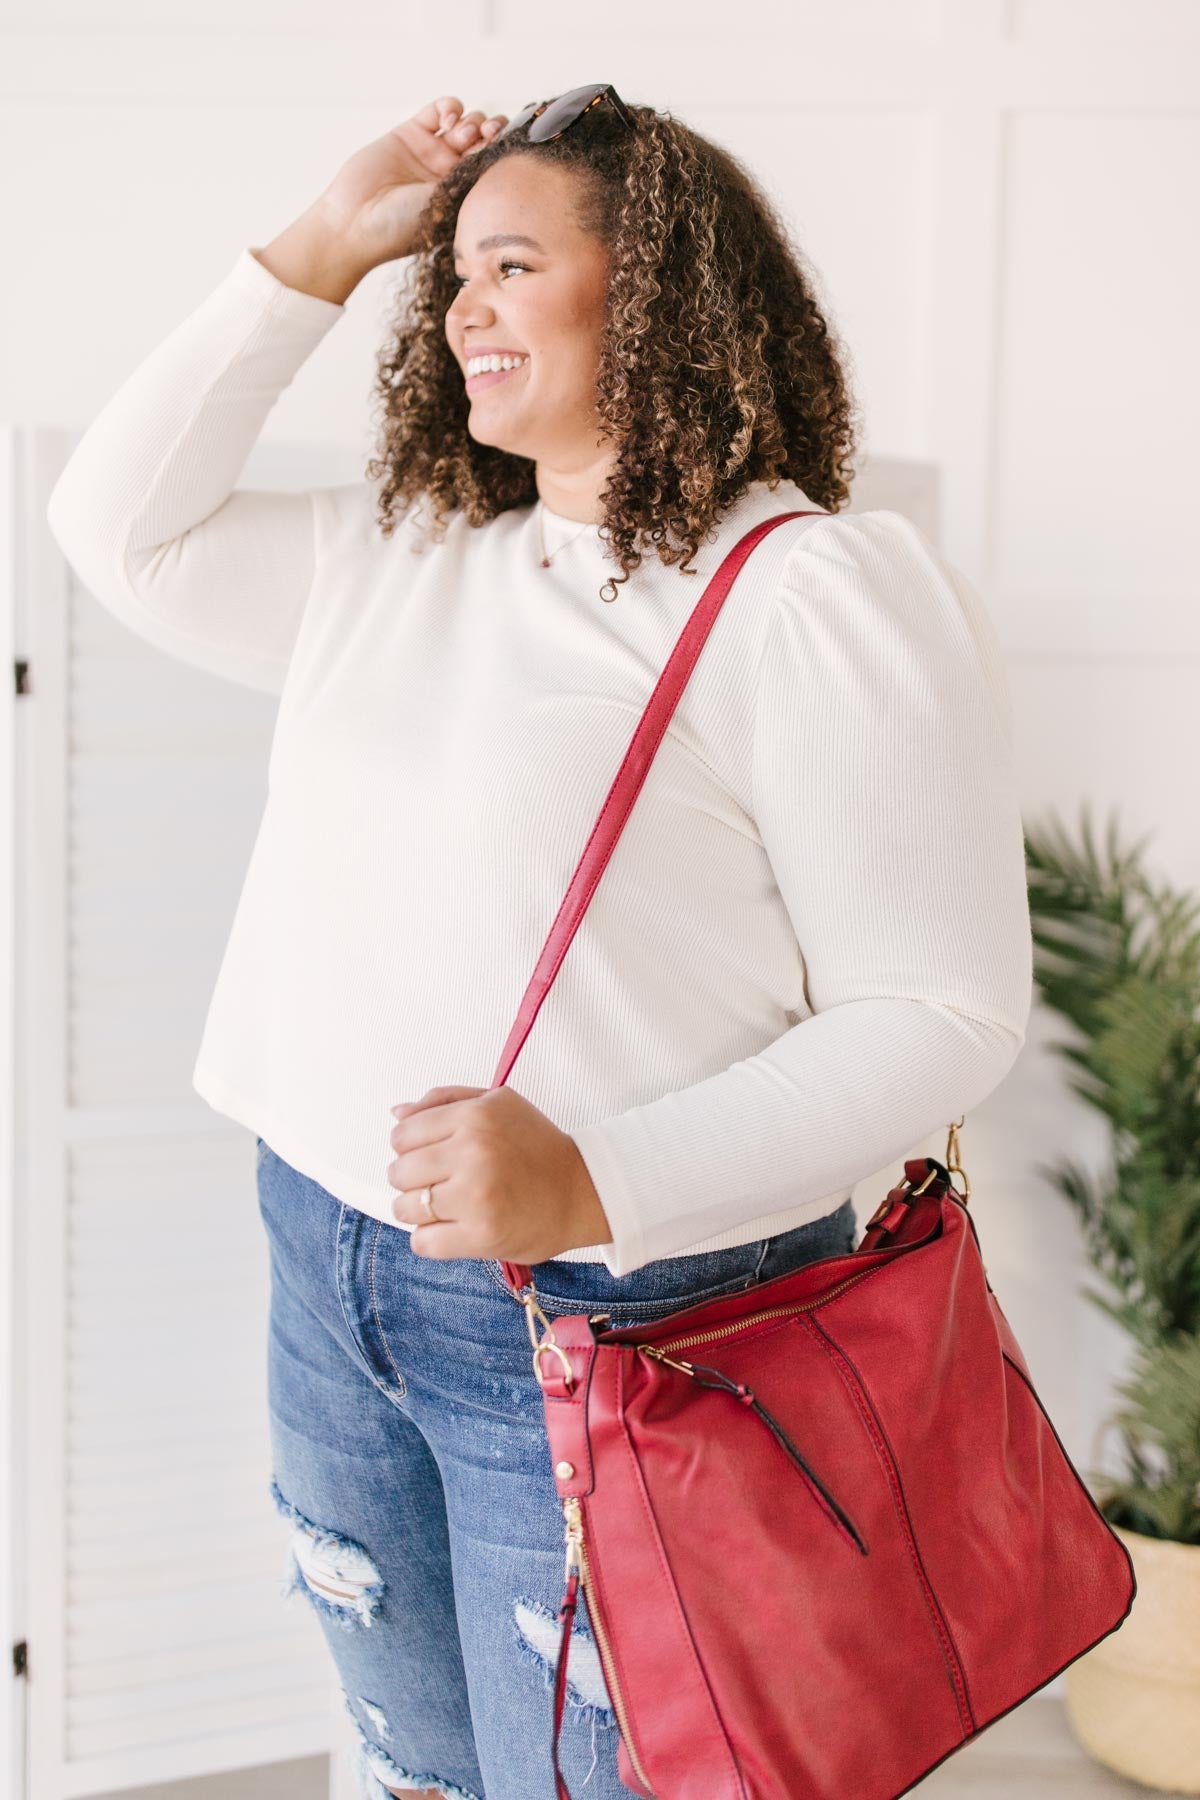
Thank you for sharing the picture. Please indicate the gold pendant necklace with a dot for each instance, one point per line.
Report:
(547, 557)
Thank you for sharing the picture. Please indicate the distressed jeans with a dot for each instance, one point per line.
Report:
(410, 1460)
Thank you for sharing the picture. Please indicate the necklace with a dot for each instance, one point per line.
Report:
(548, 557)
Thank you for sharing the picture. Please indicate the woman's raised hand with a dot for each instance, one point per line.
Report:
(374, 201)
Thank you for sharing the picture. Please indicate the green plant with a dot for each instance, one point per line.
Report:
(1118, 957)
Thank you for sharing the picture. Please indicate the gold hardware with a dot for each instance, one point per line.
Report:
(770, 1312)
(549, 1342)
(573, 1534)
(564, 1470)
(577, 1557)
(953, 1164)
(657, 1354)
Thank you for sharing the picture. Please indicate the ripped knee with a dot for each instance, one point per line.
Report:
(378, 1773)
(538, 1633)
(335, 1572)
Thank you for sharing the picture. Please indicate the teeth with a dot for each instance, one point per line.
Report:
(479, 365)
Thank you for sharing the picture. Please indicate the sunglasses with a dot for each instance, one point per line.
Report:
(548, 119)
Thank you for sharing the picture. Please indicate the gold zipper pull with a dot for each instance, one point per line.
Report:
(577, 1559)
(573, 1533)
(661, 1356)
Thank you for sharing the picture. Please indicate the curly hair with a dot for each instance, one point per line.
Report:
(717, 367)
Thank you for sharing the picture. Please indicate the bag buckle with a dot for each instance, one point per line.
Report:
(897, 1197)
(548, 1342)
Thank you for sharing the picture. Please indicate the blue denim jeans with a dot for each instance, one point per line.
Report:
(410, 1458)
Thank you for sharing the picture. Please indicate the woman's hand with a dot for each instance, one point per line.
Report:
(506, 1182)
(374, 201)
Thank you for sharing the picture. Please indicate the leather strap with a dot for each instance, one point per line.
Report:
(618, 804)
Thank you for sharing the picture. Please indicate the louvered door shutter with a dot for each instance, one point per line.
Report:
(159, 1644)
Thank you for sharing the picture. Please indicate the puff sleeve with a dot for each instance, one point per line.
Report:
(884, 796)
(145, 509)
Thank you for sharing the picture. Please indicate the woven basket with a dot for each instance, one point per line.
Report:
(1134, 1701)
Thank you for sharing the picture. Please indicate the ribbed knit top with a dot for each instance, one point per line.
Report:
(811, 948)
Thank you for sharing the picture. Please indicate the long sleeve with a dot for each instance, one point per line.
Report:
(884, 797)
(144, 510)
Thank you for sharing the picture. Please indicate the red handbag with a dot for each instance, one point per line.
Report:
(824, 1558)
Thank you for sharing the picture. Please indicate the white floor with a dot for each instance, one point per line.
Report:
(307, 1779)
(1030, 1755)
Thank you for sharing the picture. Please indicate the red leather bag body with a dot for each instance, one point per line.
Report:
(830, 1600)
(825, 1529)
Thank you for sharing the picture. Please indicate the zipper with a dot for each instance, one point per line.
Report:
(577, 1558)
(948, 1647)
(573, 1511)
(720, 1331)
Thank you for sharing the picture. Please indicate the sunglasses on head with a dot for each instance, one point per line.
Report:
(542, 120)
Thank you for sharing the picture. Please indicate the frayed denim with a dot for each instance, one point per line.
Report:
(411, 1468)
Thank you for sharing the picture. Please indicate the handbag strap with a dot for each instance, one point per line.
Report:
(627, 783)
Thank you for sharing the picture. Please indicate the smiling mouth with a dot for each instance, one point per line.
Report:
(489, 377)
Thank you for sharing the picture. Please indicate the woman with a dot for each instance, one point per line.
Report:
(811, 946)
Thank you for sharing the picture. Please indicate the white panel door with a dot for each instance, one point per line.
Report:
(151, 1558)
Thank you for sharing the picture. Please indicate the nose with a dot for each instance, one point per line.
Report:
(465, 306)
(469, 322)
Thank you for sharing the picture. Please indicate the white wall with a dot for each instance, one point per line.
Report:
(995, 196)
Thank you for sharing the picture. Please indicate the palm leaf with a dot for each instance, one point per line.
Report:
(1117, 957)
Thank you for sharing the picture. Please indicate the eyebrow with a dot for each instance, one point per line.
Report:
(503, 237)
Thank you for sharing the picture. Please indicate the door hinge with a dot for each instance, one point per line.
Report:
(21, 676)
(20, 1655)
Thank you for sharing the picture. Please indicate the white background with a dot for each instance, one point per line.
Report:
(999, 200)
